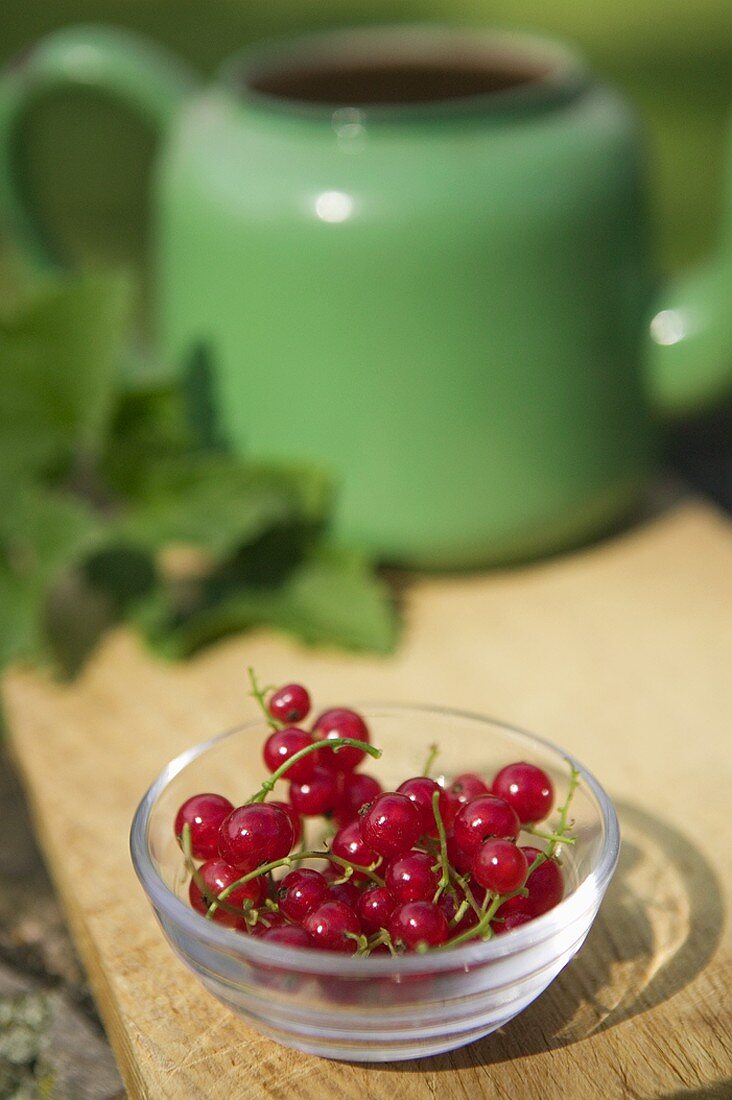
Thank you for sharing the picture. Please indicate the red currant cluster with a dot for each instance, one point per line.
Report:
(429, 865)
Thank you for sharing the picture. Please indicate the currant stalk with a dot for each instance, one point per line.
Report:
(335, 744)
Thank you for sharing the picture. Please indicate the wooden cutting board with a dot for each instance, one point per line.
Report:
(622, 653)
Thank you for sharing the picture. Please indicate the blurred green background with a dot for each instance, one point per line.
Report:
(87, 163)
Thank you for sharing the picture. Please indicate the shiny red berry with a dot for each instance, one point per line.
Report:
(317, 795)
(290, 703)
(482, 818)
(357, 789)
(500, 866)
(293, 816)
(282, 745)
(329, 924)
(204, 813)
(391, 825)
(349, 844)
(457, 858)
(461, 790)
(411, 877)
(290, 935)
(254, 834)
(545, 886)
(527, 789)
(217, 875)
(509, 922)
(418, 924)
(420, 789)
(301, 891)
(341, 722)
(374, 908)
(347, 892)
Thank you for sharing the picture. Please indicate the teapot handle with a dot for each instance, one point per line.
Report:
(688, 350)
(115, 62)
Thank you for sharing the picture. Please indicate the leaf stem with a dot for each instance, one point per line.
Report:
(574, 778)
(434, 752)
(288, 861)
(334, 743)
(483, 928)
(556, 838)
(444, 861)
(258, 694)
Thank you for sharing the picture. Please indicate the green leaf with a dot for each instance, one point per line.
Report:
(149, 426)
(59, 352)
(333, 597)
(216, 503)
(41, 535)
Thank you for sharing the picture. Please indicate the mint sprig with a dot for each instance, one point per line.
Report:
(119, 501)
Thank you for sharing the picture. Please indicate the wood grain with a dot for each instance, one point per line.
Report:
(622, 653)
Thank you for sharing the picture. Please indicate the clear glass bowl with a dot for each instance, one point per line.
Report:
(380, 1008)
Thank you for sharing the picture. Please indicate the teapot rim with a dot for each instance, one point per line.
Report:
(559, 71)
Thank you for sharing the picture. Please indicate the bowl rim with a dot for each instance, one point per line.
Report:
(254, 951)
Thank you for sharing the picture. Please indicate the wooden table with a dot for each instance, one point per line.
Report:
(622, 653)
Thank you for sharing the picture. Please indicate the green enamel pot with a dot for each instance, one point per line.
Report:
(416, 256)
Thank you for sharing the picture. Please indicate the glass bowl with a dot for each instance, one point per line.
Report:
(379, 1008)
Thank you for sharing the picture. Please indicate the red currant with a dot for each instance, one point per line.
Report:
(341, 722)
(348, 844)
(482, 818)
(317, 795)
(545, 885)
(290, 703)
(374, 908)
(411, 878)
(204, 813)
(461, 790)
(347, 892)
(217, 875)
(328, 925)
(500, 866)
(255, 833)
(460, 860)
(281, 745)
(418, 923)
(421, 790)
(528, 789)
(301, 891)
(511, 920)
(293, 816)
(391, 825)
(357, 789)
(292, 935)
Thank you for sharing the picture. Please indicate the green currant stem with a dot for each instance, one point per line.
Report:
(556, 838)
(434, 752)
(334, 743)
(362, 944)
(444, 862)
(463, 884)
(288, 861)
(462, 910)
(574, 778)
(258, 694)
(483, 928)
(382, 936)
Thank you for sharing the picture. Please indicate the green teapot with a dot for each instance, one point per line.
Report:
(417, 256)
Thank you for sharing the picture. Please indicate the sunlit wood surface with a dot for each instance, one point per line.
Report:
(622, 653)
